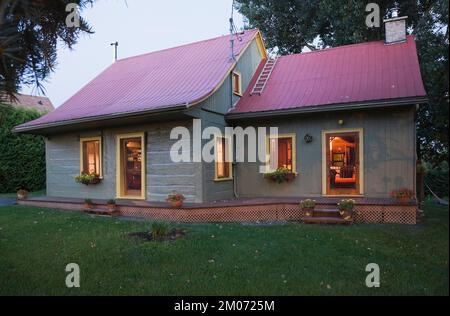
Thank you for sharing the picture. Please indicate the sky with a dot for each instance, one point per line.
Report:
(140, 26)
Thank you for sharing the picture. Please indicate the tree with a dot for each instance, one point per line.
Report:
(29, 34)
(22, 156)
(289, 26)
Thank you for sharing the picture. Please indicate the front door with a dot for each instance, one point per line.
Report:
(343, 163)
(131, 166)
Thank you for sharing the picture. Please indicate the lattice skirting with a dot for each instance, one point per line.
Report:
(402, 214)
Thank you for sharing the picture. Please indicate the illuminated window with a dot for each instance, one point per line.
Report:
(237, 83)
(90, 155)
(282, 153)
(223, 159)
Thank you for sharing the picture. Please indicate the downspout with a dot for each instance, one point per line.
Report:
(236, 195)
(234, 163)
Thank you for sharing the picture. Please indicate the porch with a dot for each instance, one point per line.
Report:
(367, 210)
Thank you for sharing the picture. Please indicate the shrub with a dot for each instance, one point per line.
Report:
(88, 202)
(111, 202)
(437, 179)
(22, 156)
(160, 230)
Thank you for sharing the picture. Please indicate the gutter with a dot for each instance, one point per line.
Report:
(165, 110)
(327, 108)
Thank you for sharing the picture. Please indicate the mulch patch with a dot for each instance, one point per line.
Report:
(147, 236)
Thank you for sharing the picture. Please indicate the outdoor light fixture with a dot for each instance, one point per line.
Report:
(308, 138)
(341, 122)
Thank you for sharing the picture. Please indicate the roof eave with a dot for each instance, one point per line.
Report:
(40, 127)
(328, 108)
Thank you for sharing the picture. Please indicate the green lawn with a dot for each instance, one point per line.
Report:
(292, 259)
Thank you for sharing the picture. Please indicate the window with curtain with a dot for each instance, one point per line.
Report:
(237, 89)
(223, 164)
(91, 156)
(282, 153)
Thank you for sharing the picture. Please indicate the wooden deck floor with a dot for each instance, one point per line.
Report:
(242, 210)
(227, 203)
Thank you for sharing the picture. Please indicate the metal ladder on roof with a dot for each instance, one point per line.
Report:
(264, 76)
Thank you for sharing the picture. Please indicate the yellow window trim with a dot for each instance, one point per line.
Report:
(237, 73)
(361, 157)
(90, 139)
(119, 173)
(230, 164)
(293, 136)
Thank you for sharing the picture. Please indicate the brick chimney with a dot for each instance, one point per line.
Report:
(395, 27)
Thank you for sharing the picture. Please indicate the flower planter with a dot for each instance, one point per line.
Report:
(347, 215)
(403, 195)
(176, 204)
(88, 179)
(404, 200)
(280, 175)
(22, 194)
(309, 212)
(111, 207)
(93, 181)
(88, 206)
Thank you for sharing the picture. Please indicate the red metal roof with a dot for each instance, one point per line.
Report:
(157, 80)
(354, 73)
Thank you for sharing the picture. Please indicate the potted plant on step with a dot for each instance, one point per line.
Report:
(111, 204)
(22, 193)
(88, 178)
(176, 200)
(308, 207)
(346, 207)
(403, 195)
(88, 204)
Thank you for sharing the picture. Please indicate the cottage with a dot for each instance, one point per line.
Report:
(345, 119)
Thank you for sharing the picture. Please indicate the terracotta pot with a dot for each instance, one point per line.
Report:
(88, 206)
(309, 212)
(111, 207)
(404, 200)
(347, 215)
(176, 204)
(22, 195)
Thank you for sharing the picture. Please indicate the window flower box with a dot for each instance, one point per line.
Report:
(88, 179)
(281, 175)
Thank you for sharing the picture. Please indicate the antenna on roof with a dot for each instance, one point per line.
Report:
(116, 44)
(233, 33)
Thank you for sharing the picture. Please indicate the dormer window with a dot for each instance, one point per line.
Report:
(237, 83)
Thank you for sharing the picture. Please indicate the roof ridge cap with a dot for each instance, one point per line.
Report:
(182, 45)
(342, 46)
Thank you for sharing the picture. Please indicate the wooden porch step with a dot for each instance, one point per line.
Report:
(326, 220)
(327, 213)
(101, 212)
